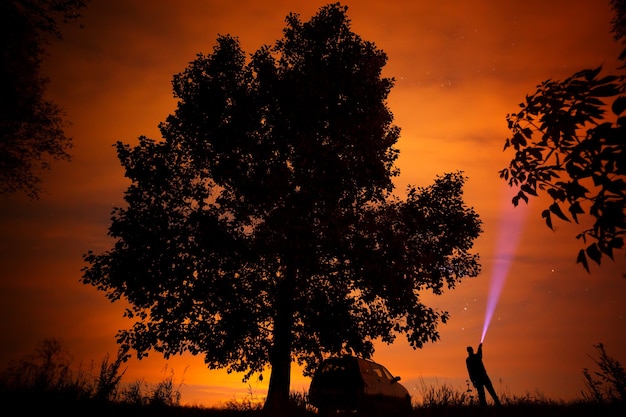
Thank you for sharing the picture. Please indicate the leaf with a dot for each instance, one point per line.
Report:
(518, 140)
(608, 90)
(582, 259)
(608, 79)
(617, 243)
(608, 251)
(527, 132)
(523, 196)
(619, 105)
(536, 153)
(589, 74)
(554, 208)
(528, 189)
(546, 214)
(556, 194)
(575, 190)
(575, 209)
(594, 253)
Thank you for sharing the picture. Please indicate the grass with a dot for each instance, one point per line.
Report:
(45, 384)
(443, 400)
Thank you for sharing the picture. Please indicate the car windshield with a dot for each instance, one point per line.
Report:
(386, 372)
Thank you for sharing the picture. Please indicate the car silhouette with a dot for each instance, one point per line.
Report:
(350, 383)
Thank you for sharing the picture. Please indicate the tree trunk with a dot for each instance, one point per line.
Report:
(280, 359)
(280, 380)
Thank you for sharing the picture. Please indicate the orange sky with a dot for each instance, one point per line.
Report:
(460, 67)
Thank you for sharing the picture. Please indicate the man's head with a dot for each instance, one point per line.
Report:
(470, 350)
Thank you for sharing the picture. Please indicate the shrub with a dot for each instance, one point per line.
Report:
(609, 383)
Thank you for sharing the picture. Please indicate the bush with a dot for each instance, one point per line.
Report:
(46, 377)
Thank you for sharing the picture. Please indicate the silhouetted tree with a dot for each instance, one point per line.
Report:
(567, 146)
(31, 127)
(263, 228)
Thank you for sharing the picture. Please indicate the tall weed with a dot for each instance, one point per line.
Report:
(608, 384)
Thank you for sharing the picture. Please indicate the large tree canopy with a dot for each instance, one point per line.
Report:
(262, 229)
(32, 128)
(568, 141)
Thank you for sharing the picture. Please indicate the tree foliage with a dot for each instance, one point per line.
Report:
(262, 229)
(618, 23)
(31, 126)
(568, 142)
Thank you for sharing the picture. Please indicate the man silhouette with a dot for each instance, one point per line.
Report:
(478, 375)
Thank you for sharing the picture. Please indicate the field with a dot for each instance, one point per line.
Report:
(94, 409)
(46, 384)
(163, 401)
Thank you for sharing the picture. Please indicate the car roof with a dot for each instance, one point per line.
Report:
(351, 358)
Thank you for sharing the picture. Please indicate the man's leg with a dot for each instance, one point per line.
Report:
(482, 400)
(492, 392)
